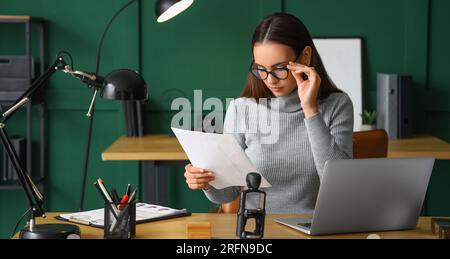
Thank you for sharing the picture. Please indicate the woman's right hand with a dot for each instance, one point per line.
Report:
(198, 178)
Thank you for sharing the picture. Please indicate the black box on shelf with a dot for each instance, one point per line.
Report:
(394, 105)
(16, 75)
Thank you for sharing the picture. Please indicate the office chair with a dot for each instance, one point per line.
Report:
(366, 144)
(370, 144)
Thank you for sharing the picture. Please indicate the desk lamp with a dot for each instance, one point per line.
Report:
(164, 10)
(118, 85)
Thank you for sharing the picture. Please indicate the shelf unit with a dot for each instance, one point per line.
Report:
(8, 97)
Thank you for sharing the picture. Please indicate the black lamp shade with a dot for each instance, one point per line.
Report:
(124, 84)
(167, 9)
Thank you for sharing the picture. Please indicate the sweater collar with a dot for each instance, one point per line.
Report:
(287, 104)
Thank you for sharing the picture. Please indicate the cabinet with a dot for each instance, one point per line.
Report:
(16, 76)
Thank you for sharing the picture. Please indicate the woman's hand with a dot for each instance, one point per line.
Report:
(198, 178)
(308, 90)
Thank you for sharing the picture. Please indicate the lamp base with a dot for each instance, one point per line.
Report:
(51, 231)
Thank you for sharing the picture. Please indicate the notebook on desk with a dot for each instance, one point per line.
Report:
(144, 213)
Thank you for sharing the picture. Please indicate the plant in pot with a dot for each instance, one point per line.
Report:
(368, 120)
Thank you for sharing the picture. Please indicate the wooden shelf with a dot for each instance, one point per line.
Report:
(19, 18)
(9, 97)
(13, 17)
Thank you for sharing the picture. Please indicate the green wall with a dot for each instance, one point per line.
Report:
(436, 105)
(208, 47)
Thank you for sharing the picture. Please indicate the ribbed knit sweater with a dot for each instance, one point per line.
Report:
(293, 163)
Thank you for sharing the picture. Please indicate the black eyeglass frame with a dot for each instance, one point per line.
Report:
(255, 71)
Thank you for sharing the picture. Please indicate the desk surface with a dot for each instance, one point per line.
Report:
(149, 147)
(164, 147)
(223, 227)
(419, 146)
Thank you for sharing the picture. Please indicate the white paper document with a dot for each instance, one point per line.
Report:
(144, 213)
(218, 153)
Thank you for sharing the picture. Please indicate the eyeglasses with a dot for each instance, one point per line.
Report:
(281, 73)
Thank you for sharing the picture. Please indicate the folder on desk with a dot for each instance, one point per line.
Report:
(144, 213)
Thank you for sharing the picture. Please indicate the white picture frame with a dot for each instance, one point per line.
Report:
(342, 58)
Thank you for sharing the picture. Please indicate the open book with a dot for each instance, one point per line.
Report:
(144, 213)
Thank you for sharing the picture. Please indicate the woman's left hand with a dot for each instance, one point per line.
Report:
(308, 90)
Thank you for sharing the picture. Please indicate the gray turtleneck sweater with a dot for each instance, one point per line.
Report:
(293, 161)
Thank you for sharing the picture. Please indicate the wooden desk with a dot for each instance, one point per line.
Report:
(167, 148)
(155, 151)
(150, 147)
(420, 146)
(223, 226)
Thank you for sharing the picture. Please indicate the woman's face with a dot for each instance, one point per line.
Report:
(269, 56)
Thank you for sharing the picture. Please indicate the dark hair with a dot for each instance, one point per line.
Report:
(288, 30)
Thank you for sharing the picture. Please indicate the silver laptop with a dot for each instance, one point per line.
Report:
(367, 195)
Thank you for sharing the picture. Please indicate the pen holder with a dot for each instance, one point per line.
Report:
(120, 220)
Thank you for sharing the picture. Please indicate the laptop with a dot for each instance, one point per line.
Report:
(367, 195)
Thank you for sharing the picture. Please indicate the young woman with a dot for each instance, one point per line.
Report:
(315, 119)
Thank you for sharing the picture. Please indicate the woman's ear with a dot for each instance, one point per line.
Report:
(306, 56)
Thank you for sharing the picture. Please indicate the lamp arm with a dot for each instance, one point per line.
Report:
(59, 64)
(35, 198)
(33, 194)
(92, 80)
(79, 74)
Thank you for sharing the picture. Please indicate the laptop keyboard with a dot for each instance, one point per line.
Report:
(305, 225)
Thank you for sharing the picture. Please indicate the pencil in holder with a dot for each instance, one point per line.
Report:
(120, 220)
